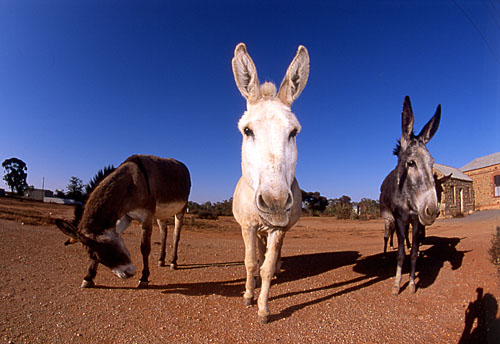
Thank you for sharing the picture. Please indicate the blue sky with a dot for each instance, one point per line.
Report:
(84, 84)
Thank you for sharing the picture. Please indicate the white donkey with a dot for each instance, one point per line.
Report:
(267, 200)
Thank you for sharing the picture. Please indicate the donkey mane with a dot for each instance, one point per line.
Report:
(89, 188)
(397, 149)
(268, 90)
(98, 177)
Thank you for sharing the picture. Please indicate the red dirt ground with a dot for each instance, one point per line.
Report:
(335, 286)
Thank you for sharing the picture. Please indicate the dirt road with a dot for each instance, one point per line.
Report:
(335, 287)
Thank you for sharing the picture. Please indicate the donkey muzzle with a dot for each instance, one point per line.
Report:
(429, 215)
(124, 271)
(274, 210)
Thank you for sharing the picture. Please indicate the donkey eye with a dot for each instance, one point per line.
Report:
(293, 133)
(411, 163)
(248, 132)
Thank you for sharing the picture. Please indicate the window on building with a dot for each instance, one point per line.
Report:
(452, 200)
(497, 186)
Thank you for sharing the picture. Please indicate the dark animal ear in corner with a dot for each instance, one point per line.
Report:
(431, 127)
(68, 229)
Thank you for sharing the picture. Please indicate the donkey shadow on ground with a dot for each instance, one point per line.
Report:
(293, 268)
(379, 267)
(481, 313)
(429, 263)
(371, 269)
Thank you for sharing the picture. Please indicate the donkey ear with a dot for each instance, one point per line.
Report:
(431, 127)
(68, 229)
(407, 120)
(245, 73)
(295, 78)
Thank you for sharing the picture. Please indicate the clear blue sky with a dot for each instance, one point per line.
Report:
(84, 84)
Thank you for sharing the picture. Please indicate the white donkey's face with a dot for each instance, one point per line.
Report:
(269, 129)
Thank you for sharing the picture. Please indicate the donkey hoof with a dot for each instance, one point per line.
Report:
(87, 284)
(247, 301)
(143, 284)
(395, 290)
(263, 319)
(412, 288)
(173, 266)
(161, 263)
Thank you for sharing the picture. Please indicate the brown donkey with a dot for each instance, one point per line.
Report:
(143, 188)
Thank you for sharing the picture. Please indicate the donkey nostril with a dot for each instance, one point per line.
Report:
(289, 201)
(262, 204)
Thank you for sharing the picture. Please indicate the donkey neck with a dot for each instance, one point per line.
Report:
(111, 200)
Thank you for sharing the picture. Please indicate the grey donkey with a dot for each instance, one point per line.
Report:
(408, 193)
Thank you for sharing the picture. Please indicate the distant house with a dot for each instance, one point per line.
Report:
(37, 194)
(457, 194)
(485, 172)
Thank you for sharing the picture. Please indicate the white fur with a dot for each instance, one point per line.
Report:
(267, 199)
(269, 158)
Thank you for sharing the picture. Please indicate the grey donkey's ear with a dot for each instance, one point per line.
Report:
(68, 229)
(431, 127)
(407, 120)
(296, 77)
(245, 74)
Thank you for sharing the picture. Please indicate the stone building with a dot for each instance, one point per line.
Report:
(485, 173)
(456, 193)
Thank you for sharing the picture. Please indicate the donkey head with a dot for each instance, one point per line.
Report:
(269, 128)
(107, 248)
(414, 171)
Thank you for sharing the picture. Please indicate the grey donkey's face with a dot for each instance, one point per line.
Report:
(415, 163)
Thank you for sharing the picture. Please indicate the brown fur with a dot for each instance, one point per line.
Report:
(144, 187)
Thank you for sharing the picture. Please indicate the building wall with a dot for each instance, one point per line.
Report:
(484, 191)
(457, 198)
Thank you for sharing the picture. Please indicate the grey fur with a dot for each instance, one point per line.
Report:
(408, 193)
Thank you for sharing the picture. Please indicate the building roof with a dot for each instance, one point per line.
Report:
(456, 173)
(484, 161)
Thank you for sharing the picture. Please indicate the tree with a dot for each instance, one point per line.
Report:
(15, 175)
(341, 207)
(368, 209)
(75, 189)
(314, 202)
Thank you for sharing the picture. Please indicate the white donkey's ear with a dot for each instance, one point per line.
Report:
(245, 74)
(296, 77)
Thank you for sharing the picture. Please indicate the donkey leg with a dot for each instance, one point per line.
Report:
(147, 229)
(179, 220)
(401, 258)
(414, 254)
(407, 229)
(274, 242)
(251, 264)
(388, 234)
(163, 233)
(88, 280)
(261, 254)
(278, 261)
